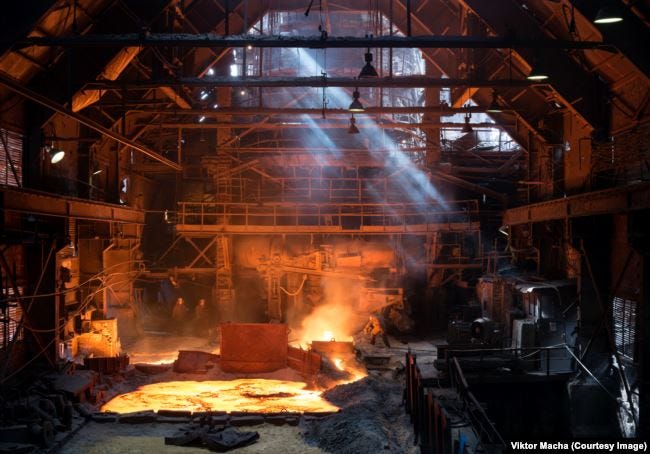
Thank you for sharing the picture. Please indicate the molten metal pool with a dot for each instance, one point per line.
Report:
(252, 395)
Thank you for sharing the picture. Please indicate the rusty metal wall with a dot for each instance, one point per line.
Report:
(307, 362)
(253, 347)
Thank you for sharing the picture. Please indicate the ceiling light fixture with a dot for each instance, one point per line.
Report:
(353, 127)
(494, 105)
(368, 70)
(355, 105)
(609, 13)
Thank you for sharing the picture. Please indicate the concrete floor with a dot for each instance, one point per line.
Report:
(115, 438)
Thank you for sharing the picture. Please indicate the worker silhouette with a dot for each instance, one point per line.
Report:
(180, 314)
(376, 326)
(202, 318)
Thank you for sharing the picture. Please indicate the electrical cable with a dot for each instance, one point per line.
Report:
(304, 279)
(89, 299)
(80, 285)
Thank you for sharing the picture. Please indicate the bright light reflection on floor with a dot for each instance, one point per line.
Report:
(253, 395)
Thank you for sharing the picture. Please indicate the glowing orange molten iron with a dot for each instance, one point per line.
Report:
(254, 395)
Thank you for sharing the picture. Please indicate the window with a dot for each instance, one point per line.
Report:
(624, 320)
(11, 152)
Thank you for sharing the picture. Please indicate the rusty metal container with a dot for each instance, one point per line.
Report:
(253, 347)
(333, 347)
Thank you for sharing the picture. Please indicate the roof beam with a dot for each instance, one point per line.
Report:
(626, 36)
(92, 124)
(19, 18)
(40, 203)
(607, 201)
(581, 91)
(327, 124)
(313, 42)
(316, 81)
(253, 111)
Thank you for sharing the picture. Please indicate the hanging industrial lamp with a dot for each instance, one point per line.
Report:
(355, 105)
(467, 128)
(537, 73)
(609, 13)
(368, 70)
(494, 105)
(353, 127)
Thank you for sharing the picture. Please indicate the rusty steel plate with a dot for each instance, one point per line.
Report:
(253, 347)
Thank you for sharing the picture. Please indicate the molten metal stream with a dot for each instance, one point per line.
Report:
(253, 395)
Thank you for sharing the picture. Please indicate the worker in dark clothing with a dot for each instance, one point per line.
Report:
(202, 318)
(376, 326)
(180, 316)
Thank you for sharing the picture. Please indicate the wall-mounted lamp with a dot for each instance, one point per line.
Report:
(55, 154)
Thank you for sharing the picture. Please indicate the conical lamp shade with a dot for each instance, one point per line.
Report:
(537, 73)
(353, 127)
(368, 70)
(608, 14)
(355, 105)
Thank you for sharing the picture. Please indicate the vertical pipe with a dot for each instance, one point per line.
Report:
(227, 18)
(408, 17)
(179, 144)
(244, 62)
(245, 5)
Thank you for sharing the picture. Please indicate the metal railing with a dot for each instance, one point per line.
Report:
(344, 215)
(431, 422)
(486, 431)
(545, 360)
(428, 417)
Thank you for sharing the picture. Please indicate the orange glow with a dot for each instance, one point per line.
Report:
(153, 358)
(164, 350)
(351, 367)
(336, 318)
(254, 395)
